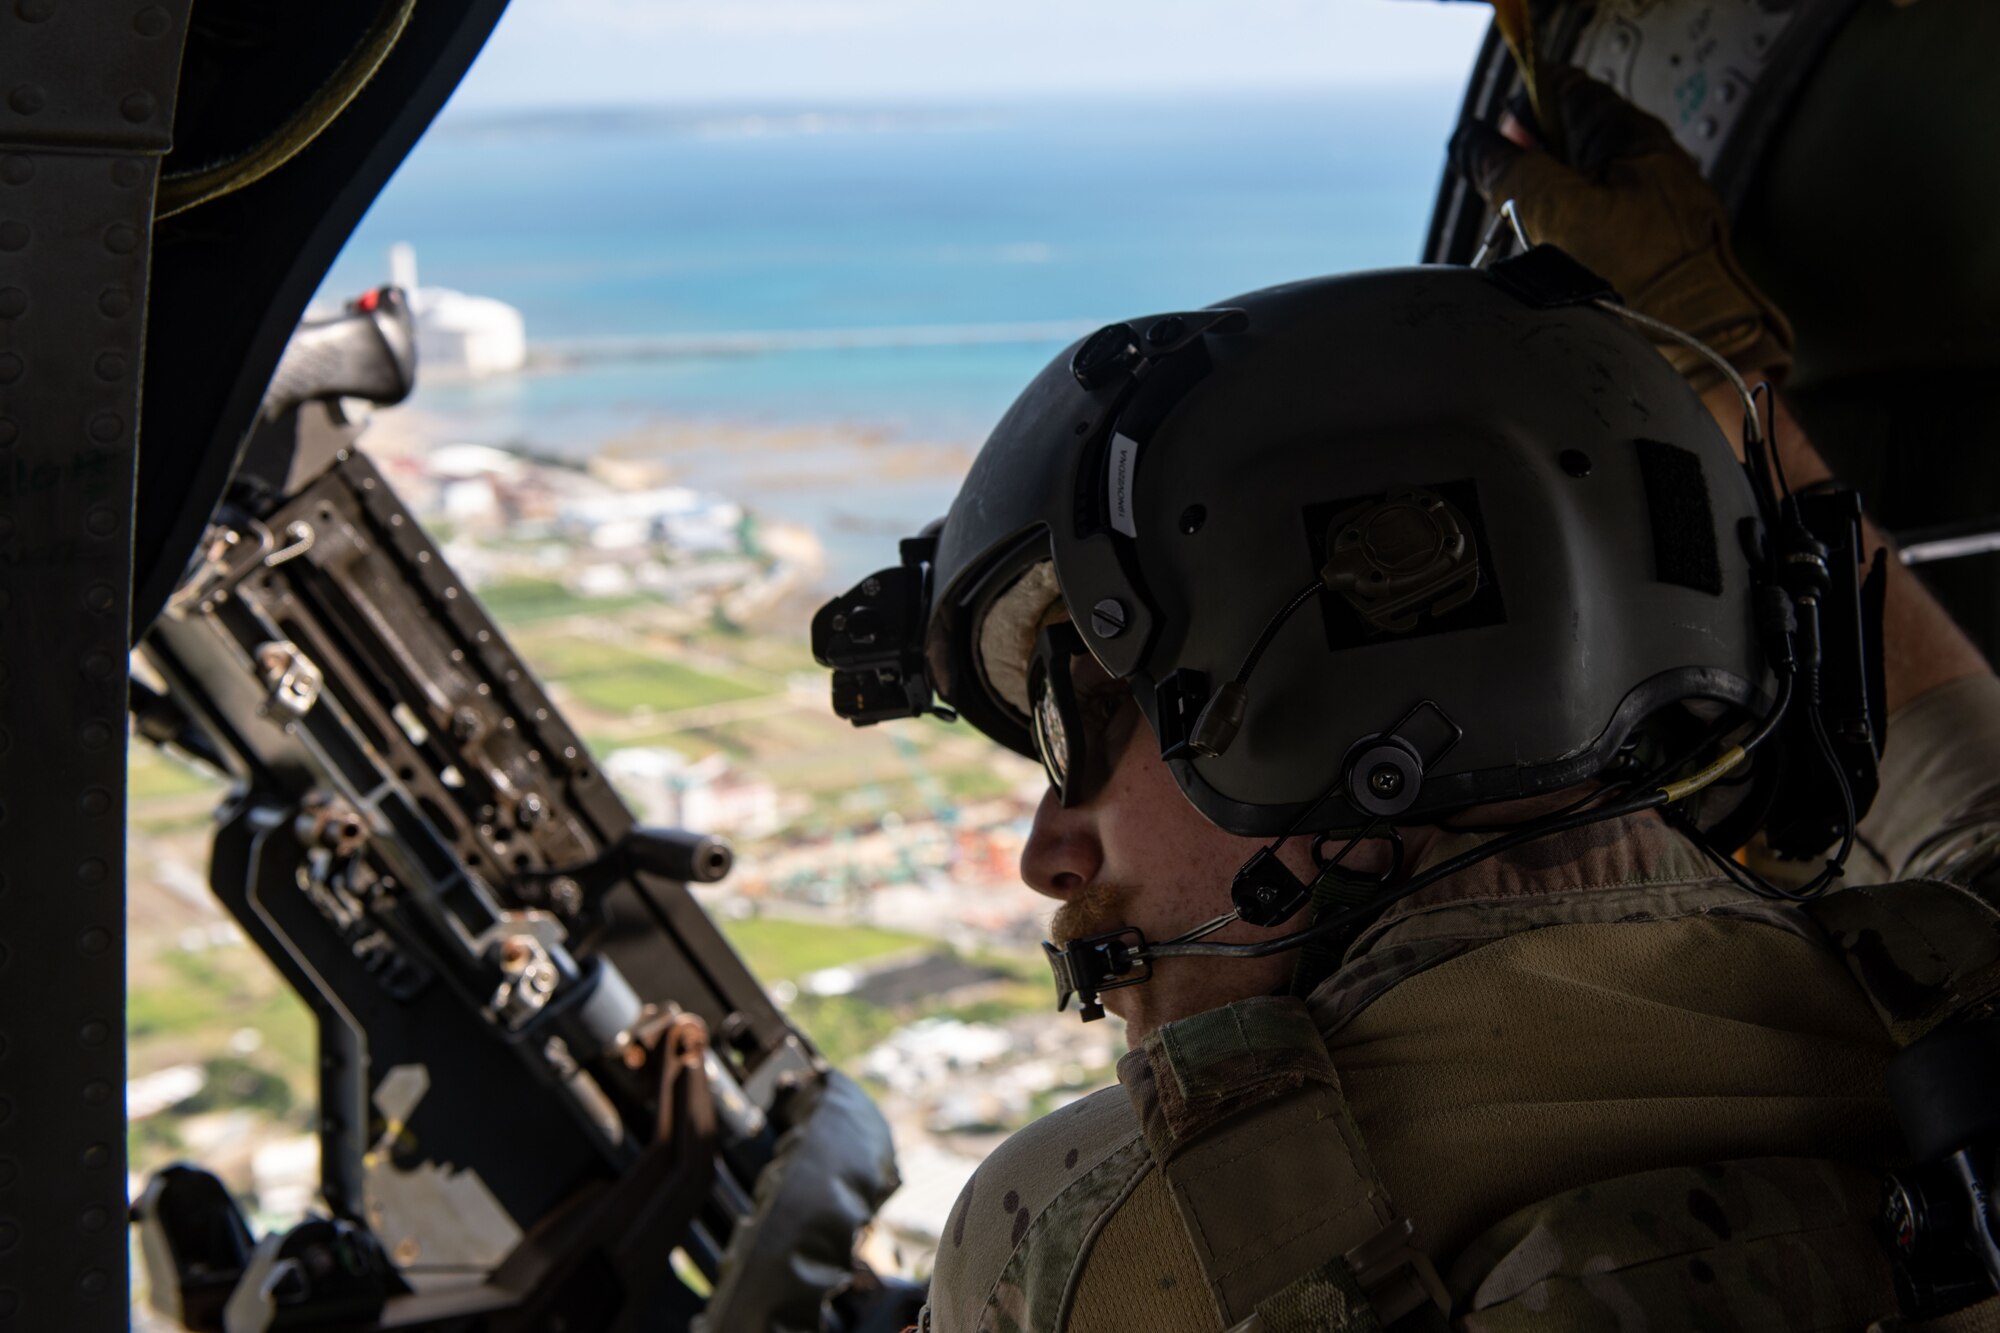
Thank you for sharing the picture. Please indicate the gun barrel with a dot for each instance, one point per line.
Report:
(696, 858)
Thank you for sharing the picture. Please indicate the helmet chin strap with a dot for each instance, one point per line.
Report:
(1120, 957)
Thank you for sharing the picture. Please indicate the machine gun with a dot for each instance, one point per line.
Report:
(551, 1095)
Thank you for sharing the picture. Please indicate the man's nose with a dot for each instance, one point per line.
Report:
(1062, 854)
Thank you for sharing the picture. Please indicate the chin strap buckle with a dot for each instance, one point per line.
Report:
(1085, 967)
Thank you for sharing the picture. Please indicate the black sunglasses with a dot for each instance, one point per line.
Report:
(1073, 730)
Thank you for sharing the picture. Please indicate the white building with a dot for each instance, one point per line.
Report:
(706, 795)
(685, 521)
(932, 1052)
(459, 335)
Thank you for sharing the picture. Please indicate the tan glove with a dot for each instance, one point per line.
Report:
(1632, 206)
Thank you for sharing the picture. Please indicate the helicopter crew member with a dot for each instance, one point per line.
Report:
(1428, 616)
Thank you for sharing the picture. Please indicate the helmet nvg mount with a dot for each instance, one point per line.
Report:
(1366, 549)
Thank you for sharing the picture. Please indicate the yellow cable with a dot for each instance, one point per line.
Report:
(182, 190)
(1731, 757)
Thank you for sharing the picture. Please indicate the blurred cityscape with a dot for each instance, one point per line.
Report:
(876, 889)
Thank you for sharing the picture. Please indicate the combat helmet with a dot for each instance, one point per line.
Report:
(1374, 546)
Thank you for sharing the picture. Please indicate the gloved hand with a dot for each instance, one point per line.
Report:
(1629, 204)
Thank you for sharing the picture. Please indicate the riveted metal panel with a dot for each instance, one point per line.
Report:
(86, 99)
(232, 277)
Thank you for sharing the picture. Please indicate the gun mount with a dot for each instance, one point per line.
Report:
(542, 1068)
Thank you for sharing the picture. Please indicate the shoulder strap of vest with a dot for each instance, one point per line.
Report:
(1244, 1116)
(1924, 952)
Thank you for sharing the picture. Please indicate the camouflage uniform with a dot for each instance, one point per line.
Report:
(1568, 1089)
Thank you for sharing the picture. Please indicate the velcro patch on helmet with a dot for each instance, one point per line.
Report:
(1683, 523)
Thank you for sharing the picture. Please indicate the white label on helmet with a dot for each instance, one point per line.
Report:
(1118, 482)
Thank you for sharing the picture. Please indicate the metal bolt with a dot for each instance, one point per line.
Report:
(1107, 618)
(871, 587)
(1386, 781)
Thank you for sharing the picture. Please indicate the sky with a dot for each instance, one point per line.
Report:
(549, 53)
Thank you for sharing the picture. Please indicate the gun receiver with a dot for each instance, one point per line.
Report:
(543, 1069)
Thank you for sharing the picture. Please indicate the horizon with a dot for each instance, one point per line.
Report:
(554, 53)
(915, 104)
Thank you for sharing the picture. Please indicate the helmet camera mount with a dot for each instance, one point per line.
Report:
(873, 638)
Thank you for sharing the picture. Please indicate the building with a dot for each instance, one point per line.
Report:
(459, 336)
(707, 795)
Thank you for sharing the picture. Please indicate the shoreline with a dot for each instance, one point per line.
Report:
(857, 487)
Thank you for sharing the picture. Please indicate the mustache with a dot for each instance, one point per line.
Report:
(1094, 909)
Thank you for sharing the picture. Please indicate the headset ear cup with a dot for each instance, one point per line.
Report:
(1384, 776)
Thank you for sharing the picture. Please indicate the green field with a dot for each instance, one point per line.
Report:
(523, 601)
(559, 655)
(781, 949)
(616, 678)
(661, 686)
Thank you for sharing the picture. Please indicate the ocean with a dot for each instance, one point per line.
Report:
(799, 306)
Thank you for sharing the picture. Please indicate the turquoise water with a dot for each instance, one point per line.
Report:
(905, 271)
